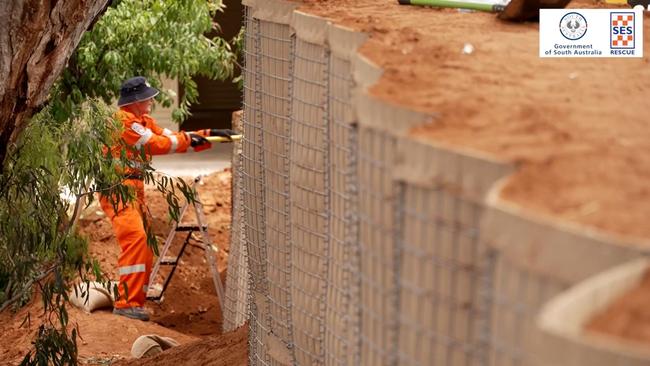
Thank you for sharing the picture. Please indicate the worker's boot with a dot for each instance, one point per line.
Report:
(134, 312)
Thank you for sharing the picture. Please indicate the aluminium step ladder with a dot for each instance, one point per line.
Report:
(155, 292)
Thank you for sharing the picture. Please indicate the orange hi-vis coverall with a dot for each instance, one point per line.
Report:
(136, 258)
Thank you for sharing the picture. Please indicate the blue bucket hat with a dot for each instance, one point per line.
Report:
(134, 90)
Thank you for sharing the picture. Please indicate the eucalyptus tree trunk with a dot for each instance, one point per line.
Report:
(37, 38)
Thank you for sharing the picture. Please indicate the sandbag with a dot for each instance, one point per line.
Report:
(97, 298)
(151, 345)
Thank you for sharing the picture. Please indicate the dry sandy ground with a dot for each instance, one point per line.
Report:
(189, 312)
(229, 349)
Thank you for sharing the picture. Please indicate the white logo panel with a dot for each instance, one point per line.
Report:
(590, 33)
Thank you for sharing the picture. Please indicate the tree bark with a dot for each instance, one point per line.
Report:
(37, 38)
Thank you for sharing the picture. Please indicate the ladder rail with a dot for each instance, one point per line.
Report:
(208, 247)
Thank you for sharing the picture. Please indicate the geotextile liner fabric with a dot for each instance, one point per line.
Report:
(439, 278)
(377, 210)
(274, 57)
(341, 318)
(518, 298)
(310, 204)
(235, 310)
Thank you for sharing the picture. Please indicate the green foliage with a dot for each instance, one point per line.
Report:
(238, 46)
(53, 347)
(59, 162)
(151, 38)
(38, 243)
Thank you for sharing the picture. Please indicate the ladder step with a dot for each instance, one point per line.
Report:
(155, 292)
(190, 228)
(169, 260)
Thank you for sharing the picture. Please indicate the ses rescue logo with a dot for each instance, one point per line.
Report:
(622, 31)
(590, 33)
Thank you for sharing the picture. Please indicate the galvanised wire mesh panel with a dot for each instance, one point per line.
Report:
(252, 161)
(517, 297)
(235, 304)
(309, 200)
(378, 253)
(441, 318)
(342, 320)
(275, 76)
(253, 192)
(235, 308)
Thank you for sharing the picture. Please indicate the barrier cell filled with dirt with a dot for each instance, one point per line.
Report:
(571, 323)
(416, 185)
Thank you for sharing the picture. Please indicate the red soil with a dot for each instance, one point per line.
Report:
(627, 317)
(229, 349)
(576, 128)
(190, 309)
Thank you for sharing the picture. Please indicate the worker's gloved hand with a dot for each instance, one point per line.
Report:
(223, 133)
(199, 142)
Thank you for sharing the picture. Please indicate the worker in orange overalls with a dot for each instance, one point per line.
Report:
(141, 131)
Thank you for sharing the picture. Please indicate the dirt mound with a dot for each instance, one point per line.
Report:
(628, 317)
(228, 349)
(190, 309)
(577, 128)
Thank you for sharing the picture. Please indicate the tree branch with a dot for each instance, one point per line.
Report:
(28, 286)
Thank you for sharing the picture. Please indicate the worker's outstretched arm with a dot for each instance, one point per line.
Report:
(155, 140)
(197, 141)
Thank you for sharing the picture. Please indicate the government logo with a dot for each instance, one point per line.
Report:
(573, 26)
(622, 30)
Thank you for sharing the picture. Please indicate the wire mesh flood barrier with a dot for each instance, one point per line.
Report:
(257, 347)
(252, 183)
(342, 321)
(349, 265)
